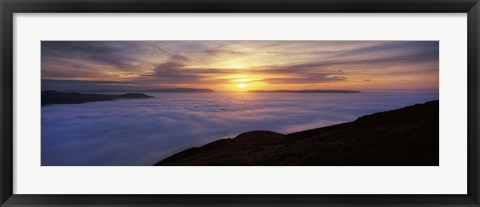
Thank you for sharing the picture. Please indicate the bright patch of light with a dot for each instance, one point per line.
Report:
(241, 85)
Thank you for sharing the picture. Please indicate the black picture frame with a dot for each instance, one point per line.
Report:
(10, 7)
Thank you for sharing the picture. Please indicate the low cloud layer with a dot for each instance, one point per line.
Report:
(144, 131)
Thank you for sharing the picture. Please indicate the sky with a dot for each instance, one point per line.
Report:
(241, 65)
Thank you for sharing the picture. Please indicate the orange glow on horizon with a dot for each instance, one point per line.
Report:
(241, 65)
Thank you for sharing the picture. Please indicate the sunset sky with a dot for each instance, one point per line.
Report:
(241, 65)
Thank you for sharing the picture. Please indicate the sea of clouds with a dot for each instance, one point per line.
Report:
(145, 131)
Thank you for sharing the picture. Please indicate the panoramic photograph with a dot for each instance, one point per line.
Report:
(239, 103)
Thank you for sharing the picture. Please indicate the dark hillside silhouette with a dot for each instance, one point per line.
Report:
(404, 137)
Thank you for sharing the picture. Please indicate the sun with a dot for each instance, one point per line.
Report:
(241, 85)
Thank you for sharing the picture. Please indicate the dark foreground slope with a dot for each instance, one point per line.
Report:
(407, 136)
(55, 97)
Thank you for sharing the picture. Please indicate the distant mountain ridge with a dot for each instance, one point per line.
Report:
(50, 97)
(203, 90)
(304, 91)
(156, 90)
(179, 90)
(403, 137)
